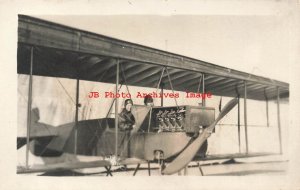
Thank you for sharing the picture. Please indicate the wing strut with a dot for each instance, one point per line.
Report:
(245, 116)
(170, 81)
(116, 109)
(77, 99)
(199, 85)
(278, 119)
(76, 117)
(267, 107)
(239, 124)
(238, 118)
(203, 90)
(161, 85)
(29, 107)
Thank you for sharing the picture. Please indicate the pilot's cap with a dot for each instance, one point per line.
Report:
(128, 101)
(148, 99)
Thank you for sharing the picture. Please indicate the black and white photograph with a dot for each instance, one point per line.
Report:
(164, 96)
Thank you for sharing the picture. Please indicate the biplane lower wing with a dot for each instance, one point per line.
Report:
(233, 156)
(63, 166)
(76, 165)
(132, 161)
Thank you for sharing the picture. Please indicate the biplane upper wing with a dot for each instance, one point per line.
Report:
(66, 52)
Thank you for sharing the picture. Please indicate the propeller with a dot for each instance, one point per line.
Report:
(189, 152)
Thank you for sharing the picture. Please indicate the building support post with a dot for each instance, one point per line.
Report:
(245, 116)
(278, 120)
(29, 108)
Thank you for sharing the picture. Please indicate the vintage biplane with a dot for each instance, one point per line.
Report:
(173, 136)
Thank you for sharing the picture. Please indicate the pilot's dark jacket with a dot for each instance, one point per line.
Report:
(126, 120)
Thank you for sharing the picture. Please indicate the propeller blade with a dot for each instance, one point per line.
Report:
(188, 154)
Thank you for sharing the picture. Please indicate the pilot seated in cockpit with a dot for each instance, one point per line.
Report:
(148, 100)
